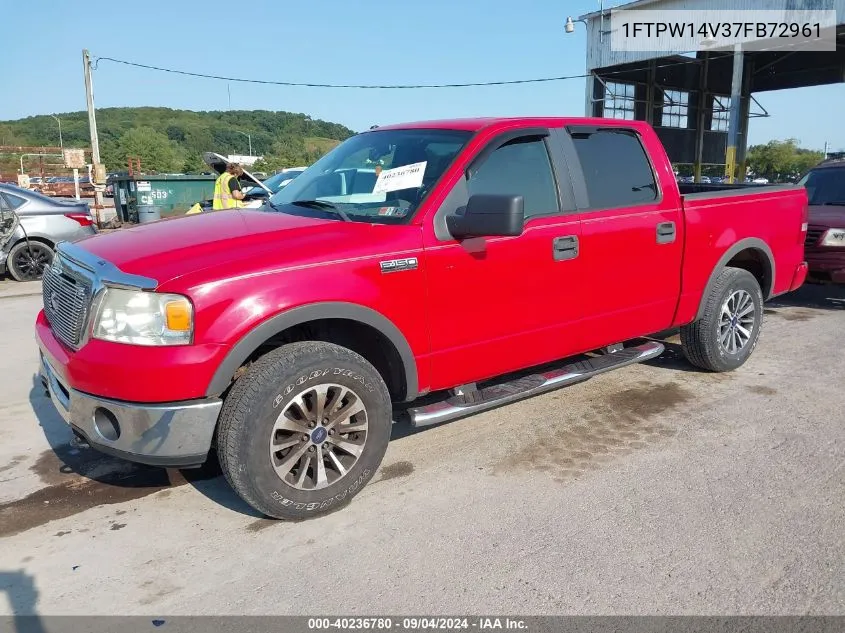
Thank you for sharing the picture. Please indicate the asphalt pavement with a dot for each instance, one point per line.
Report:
(655, 489)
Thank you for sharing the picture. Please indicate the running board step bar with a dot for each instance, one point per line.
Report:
(507, 392)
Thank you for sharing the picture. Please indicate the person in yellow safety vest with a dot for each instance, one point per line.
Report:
(227, 189)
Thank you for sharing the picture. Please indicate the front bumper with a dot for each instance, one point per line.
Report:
(173, 434)
(827, 264)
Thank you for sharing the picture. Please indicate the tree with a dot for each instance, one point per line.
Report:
(781, 160)
(155, 150)
(194, 164)
(175, 133)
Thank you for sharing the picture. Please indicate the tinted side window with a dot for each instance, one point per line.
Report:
(616, 169)
(519, 168)
(13, 200)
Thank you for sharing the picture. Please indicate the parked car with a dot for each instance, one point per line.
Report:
(45, 222)
(825, 245)
(411, 260)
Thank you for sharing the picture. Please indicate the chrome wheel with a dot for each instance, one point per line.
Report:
(318, 437)
(736, 321)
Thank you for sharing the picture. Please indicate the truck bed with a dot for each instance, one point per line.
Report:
(720, 218)
(704, 189)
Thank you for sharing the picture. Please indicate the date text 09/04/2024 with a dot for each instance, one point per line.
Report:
(416, 624)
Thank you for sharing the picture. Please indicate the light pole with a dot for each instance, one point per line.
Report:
(249, 138)
(59, 121)
(569, 27)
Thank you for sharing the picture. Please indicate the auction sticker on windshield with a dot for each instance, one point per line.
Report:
(405, 177)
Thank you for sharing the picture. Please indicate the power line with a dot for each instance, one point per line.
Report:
(374, 86)
(358, 86)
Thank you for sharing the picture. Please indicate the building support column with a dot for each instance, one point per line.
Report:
(744, 119)
(733, 123)
(649, 94)
(703, 102)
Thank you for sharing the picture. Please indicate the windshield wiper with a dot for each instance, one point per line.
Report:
(323, 206)
(838, 203)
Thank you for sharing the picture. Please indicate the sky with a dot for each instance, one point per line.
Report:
(329, 41)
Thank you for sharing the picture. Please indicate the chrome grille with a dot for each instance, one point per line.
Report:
(814, 234)
(67, 297)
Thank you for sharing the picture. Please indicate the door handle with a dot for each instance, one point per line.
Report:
(565, 247)
(666, 232)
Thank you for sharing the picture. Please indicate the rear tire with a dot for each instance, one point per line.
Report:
(304, 430)
(27, 261)
(727, 333)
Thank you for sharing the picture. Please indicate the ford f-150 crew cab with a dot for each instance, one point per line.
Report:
(416, 270)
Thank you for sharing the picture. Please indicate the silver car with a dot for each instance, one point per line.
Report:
(43, 223)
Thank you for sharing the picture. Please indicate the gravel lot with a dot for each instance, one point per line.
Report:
(651, 490)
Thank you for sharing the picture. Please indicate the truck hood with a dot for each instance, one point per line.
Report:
(828, 215)
(234, 242)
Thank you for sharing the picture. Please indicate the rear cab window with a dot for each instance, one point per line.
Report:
(616, 169)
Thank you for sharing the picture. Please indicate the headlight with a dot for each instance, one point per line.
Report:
(144, 318)
(834, 237)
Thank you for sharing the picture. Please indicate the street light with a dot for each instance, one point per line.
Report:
(569, 27)
(249, 137)
(59, 121)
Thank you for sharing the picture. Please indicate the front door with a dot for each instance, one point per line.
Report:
(504, 303)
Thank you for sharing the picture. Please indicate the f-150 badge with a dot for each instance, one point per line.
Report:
(395, 265)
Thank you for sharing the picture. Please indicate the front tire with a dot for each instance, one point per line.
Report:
(304, 430)
(27, 260)
(726, 335)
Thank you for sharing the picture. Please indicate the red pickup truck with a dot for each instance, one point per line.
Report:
(404, 273)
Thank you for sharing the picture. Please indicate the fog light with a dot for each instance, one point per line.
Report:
(106, 424)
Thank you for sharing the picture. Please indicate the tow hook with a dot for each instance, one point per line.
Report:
(78, 441)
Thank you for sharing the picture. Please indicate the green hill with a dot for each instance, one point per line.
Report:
(169, 140)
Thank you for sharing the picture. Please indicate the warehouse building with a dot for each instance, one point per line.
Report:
(701, 102)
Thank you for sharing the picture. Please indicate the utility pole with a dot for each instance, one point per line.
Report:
(95, 141)
(825, 149)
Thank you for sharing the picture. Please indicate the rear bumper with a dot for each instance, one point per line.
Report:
(175, 434)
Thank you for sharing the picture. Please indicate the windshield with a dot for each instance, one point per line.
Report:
(379, 176)
(825, 185)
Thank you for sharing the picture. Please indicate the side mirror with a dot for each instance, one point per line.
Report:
(488, 215)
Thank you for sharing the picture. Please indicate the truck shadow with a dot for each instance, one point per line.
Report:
(815, 296)
(22, 597)
(77, 478)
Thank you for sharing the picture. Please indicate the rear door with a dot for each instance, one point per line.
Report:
(631, 234)
(499, 304)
